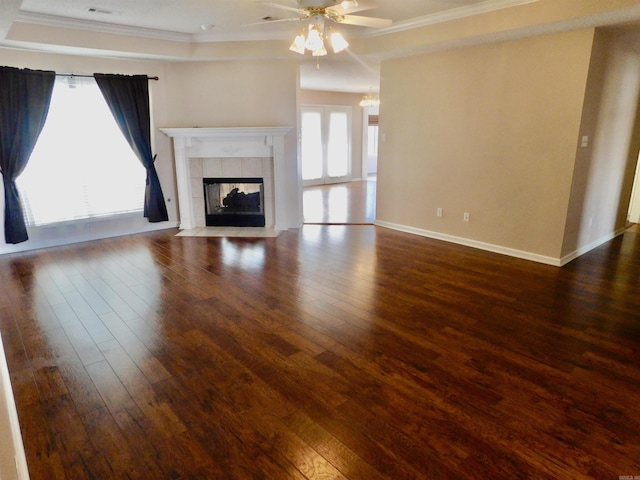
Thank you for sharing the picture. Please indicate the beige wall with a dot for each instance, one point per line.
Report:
(604, 171)
(232, 93)
(491, 130)
(315, 97)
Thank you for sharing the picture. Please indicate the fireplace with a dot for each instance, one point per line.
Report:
(239, 153)
(234, 202)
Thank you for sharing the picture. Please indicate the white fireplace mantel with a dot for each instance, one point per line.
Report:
(228, 142)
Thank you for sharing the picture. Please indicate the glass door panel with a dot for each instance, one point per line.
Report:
(326, 144)
(338, 146)
(312, 150)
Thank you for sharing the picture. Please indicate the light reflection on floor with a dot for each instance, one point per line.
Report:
(340, 203)
(340, 213)
(358, 265)
(84, 297)
(247, 256)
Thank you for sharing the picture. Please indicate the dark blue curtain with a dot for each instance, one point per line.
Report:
(128, 99)
(25, 96)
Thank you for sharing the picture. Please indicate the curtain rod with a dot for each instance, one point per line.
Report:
(91, 76)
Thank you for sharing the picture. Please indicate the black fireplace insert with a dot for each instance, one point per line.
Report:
(234, 202)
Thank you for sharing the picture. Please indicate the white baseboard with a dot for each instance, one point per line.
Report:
(582, 250)
(556, 262)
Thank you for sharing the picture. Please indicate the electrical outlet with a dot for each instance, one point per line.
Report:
(439, 212)
(465, 217)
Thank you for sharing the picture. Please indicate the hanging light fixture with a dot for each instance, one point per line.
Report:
(370, 100)
(312, 39)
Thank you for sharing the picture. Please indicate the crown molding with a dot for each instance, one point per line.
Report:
(447, 16)
(101, 27)
(200, 37)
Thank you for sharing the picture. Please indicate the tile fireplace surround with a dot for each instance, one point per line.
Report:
(230, 152)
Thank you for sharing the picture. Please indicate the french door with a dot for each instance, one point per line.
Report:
(326, 144)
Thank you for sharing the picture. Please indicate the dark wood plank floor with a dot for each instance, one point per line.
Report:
(332, 352)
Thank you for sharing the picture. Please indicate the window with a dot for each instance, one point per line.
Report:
(372, 134)
(372, 138)
(82, 166)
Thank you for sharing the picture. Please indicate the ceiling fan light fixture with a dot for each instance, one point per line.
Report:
(318, 13)
(314, 40)
(338, 42)
(298, 44)
(320, 52)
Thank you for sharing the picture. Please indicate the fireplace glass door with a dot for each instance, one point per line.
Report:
(237, 202)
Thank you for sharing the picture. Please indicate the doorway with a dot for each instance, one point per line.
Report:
(331, 196)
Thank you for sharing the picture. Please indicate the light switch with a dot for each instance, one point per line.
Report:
(585, 141)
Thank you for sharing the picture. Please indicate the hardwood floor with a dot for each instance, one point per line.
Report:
(332, 352)
(352, 203)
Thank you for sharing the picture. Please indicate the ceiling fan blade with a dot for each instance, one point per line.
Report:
(267, 22)
(339, 10)
(281, 7)
(366, 21)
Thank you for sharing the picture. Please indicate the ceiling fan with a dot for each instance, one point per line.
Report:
(338, 11)
(316, 12)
